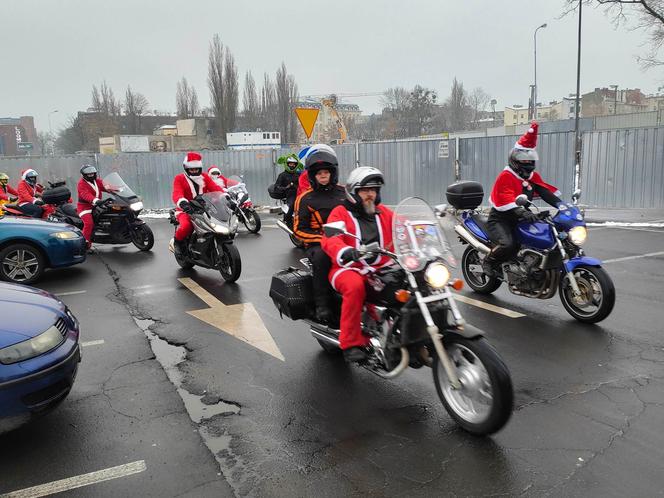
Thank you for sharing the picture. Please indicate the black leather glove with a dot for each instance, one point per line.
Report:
(186, 207)
(38, 202)
(527, 216)
(350, 255)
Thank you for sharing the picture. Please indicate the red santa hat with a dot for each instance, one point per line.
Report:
(213, 169)
(529, 139)
(193, 160)
(27, 172)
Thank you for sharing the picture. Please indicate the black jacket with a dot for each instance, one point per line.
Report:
(286, 184)
(312, 208)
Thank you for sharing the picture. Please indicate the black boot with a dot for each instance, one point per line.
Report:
(180, 247)
(323, 314)
(357, 354)
(491, 267)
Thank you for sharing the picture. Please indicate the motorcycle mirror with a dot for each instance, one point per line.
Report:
(522, 200)
(373, 247)
(334, 228)
(440, 210)
(576, 195)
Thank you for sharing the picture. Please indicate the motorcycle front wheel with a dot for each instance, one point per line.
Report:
(485, 401)
(598, 295)
(231, 265)
(471, 267)
(142, 237)
(252, 220)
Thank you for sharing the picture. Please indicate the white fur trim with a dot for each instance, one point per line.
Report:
(194, 164)
(558, 193)
(26, 172)
(340, 253)
(179, 201)
(505, 207)
(94, 186)
(84, 212)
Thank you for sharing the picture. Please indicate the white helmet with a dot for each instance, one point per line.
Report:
(363, 177)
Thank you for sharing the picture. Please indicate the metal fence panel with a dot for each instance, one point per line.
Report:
(623, 168)
(410, 168)
(482, 159)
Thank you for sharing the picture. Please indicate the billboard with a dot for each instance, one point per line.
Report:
(134, 143)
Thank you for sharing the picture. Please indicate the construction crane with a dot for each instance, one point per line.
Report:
(330, 101)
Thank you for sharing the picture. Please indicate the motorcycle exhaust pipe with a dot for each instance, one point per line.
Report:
(284, 227)
(325, 334)
(465, 235)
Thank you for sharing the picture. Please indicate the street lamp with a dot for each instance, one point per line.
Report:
(50, 131)
(535, 89)
(615, 98)
(577, 134)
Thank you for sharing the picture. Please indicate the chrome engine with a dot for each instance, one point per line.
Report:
(526, 276)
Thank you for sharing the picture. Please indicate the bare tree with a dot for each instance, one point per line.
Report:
(268, 104)
(103, 100)
(135, 104)
(420, 110)
(456, 107)
(186, 100)
(478, 100)
(216, 84)
(294, 97)
(395, 109)
(648, 16)
(71, 139)
(250, 102)
(231, 93)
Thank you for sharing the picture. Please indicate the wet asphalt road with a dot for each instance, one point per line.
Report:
(588, 419)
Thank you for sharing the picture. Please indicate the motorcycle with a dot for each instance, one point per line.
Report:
(241, 204)
(286, 222)
(550, 256)
(211, 243)
(411, 319)
(116, 218)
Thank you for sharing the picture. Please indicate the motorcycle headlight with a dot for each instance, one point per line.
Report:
(65, 235)
(136, 206)
(220, 228)
(32, 347)
(437, 275)
(577, 235)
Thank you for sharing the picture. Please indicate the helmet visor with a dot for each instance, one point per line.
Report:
(194, 171)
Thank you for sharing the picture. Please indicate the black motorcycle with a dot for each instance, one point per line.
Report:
(286, 221)
(411, 319)
(116, 218)
(210, 245)
(241, 205)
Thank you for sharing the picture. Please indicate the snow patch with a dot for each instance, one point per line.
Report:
(625, 224)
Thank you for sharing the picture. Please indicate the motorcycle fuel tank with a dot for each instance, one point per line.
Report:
(535, 235)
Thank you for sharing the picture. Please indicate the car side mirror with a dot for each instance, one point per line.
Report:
(334, 228)
(521, 200)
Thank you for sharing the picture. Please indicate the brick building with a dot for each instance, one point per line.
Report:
(18, 136)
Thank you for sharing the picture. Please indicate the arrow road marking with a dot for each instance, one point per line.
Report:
(79, 481)
(239, 320)
(490, 307)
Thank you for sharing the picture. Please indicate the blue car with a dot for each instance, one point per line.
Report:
(30, 246)
(39, 353)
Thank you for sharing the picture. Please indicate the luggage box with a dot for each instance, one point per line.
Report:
(56, 195)
(292, 293)
(465, 195)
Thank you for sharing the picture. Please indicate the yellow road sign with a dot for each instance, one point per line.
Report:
(307, 118)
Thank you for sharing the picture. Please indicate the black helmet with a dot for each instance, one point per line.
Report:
(363, 177)
(322, 159)
(89, 172)
(522, 161)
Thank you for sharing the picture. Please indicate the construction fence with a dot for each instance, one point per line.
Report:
(619, 168)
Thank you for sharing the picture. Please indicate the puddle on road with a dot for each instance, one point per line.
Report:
(170, 357)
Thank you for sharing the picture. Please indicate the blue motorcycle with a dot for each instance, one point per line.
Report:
(549, 259)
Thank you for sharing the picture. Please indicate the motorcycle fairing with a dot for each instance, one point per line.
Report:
(471, 224)
(537, 235)
(568, 218)
(582, 260)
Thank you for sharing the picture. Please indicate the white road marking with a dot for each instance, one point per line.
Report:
(79, 481)
(638, 256)
(92, 343)
(638, 229)
(72, 293)
(489, 307)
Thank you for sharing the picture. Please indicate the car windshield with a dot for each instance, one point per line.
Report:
(114, 183)
(418, 238)
(217, 205)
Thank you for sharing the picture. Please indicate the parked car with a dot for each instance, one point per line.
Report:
(39, 353)
(30, 246)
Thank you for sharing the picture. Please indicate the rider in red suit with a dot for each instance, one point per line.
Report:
(186, 186)
(89, 195)
(370, 220)
(6, 190)
(519, 177)
(29, 195)
(219, 179)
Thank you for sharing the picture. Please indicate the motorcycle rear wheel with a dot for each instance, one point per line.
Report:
(142, 237)
(253, 222)
(485, 401)
(478, 282)
(231, 264)
(598, 294)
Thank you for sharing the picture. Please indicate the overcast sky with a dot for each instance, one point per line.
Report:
(55, 50)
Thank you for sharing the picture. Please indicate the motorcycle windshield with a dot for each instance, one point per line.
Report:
(217, 205)
(234, 180)
(115, 184)
(417, 236)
